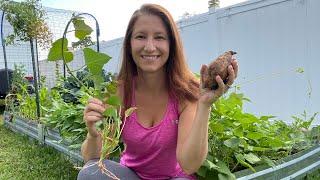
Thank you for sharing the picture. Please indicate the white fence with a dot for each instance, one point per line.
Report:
(272, 38)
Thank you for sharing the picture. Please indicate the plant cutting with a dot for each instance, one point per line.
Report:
(111, 126)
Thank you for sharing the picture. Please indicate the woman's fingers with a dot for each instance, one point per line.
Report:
(221, 87)
(95, 105)
(203, 75)
(231, 76)
(235, 66)
(93, 116)
(93, 112)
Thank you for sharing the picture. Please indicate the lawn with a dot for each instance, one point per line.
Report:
(22, 158)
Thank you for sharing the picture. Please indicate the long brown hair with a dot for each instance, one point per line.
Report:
(182, 84)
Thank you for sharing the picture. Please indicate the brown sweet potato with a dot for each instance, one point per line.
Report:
(218, 67)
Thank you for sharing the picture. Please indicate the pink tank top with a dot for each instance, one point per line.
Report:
(151, 152)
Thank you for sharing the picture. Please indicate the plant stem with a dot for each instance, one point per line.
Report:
(80, 82)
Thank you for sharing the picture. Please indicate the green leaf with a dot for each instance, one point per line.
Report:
(238, 132)
(254, 148)
(112, 87)
(242, 161)
(130, 111)
(232, 142)
(81, 28)
(248, 119)
(114, 101)
(266, 118)
(275, 142)
(226, 176)
(252, 158)
(254, 135)
(223, 168)
(216, 127)
(55, 52)
(110, 112)
(268, 161)
(95, 62)
(202, 171)
(209, 164)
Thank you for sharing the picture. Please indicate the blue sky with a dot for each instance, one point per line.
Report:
(113, 16)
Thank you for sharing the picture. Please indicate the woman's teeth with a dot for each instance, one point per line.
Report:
(150, 57)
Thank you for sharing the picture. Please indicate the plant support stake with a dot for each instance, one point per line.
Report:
(4, 52)
(35, 79)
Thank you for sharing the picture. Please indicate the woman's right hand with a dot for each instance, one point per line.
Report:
(93, 113)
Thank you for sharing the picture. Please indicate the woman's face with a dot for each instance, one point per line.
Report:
(150, 44)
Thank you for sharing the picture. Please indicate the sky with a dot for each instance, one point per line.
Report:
(114, 15)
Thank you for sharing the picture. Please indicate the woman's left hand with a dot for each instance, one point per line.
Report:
(208, 96)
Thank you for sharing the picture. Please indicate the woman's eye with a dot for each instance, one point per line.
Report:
(140, 37)
(160, 38)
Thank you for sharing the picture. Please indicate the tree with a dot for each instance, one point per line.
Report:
(214, 3)
(27, 20)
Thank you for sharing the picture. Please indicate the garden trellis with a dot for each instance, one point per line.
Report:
(90, 42)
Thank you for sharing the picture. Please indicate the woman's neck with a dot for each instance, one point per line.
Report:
(151, 83)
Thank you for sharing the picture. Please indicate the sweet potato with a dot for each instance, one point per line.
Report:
(218, 67)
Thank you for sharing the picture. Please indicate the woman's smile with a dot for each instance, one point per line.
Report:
(150, 57)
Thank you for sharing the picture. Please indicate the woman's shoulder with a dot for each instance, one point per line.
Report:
(120, 88)
(185, 104)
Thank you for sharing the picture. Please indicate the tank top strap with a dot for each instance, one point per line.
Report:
(133, 97)
(174, 105)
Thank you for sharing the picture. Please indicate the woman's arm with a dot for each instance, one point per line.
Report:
(192, 145)
(91, 147)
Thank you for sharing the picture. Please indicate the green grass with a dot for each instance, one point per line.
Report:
(21, 158)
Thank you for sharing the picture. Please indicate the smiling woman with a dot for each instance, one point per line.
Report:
(167, 136)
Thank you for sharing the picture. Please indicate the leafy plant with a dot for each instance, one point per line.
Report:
(110, 126)
(239, 140)
(27, 20)
(69, 87)
(67, 118)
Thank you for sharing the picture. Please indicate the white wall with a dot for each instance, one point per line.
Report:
(271, 37)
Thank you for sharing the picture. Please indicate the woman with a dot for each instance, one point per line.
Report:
(167, 136)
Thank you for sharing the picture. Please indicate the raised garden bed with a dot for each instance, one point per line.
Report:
(296, 166)
(42, 134)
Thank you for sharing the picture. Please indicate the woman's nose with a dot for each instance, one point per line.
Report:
(149, 46)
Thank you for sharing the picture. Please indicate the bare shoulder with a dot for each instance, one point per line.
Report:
(187, 107)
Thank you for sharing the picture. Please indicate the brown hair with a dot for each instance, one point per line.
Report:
(181, 82)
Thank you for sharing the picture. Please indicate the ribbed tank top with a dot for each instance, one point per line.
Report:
(151, 152)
